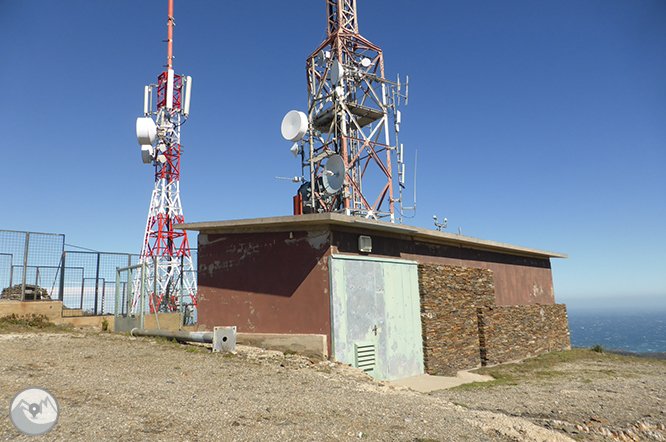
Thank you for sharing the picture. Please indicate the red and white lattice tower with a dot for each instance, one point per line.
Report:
(170, 280)
(348, 139)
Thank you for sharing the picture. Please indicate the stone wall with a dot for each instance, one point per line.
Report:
(464, 328)
(518, 332)
(450, 297)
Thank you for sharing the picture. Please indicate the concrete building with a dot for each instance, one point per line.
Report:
(394, 300)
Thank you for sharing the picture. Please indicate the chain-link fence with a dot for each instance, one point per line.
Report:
(90, 281)
(29, 261)
(37, 266)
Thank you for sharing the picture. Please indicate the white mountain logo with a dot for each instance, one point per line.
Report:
(34, 411)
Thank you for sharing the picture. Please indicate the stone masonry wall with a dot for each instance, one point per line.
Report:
(518, 332)
(450, 297)
(464, 328)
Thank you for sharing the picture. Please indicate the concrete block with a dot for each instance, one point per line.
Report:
(224, 338)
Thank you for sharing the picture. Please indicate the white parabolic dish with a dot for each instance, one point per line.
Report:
(294, 125)
(146, 131)
(334, 174)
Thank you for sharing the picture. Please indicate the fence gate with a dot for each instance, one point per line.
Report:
(375, 316)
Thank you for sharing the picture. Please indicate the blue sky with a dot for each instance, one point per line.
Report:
(537, 123)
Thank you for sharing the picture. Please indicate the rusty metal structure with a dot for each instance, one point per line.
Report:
(348, 141)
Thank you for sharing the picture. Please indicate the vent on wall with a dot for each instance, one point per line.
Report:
(364, 356)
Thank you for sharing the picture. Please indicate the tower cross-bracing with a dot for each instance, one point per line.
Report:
(350, 154)
(170, 279)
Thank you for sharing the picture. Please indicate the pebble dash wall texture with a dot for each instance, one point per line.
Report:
(450, 297)
(464, 328)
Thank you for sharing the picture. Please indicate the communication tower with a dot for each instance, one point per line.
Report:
(171, 281)
(344, 140)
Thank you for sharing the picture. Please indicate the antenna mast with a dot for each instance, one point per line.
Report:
(171, 279)
(348, 146)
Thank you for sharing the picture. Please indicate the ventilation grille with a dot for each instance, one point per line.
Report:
(365, 356)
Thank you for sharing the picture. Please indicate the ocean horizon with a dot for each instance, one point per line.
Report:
(638, 330)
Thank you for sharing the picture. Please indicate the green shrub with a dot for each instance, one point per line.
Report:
(598, 348)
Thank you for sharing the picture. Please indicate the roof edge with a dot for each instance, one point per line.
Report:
(300, 222)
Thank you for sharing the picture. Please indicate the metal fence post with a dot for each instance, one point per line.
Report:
(128, 301)
(143, 294)
(25, 264)
(62, 278)
(117, 306)
(96, 285)
(182, 289)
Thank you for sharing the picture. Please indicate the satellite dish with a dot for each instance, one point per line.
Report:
(322, 57)
(366, 62)
(294, 125)
(146, 131)
(147, 153)
(334, 174)
(337, 72)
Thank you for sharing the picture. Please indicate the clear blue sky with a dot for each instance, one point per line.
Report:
(537, 123)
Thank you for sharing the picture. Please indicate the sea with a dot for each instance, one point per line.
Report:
(630, 329)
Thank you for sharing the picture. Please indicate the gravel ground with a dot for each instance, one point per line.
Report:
(586, 395)
(113, 387)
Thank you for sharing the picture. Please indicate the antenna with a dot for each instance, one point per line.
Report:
(188, 96)
(334, 174)
(439, 225)
(351, 115)
(146, 100)
(165, 252)
(294, 125)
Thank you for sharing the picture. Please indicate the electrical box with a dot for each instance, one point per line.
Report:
(224, 338)
(364, 244)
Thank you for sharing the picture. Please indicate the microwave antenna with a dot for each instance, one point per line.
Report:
(347, 140)
(171, 279)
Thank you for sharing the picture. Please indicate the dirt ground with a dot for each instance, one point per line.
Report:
(114, 387)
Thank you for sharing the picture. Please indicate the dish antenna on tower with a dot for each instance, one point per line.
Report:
(347, 141)
(171, 278)
(334, 174)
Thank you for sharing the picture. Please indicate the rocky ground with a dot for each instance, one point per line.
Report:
(114, 387)
(586, 395)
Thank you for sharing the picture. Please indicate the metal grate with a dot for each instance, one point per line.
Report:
(365, 356)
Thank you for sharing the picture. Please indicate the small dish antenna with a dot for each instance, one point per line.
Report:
(322, 57)
(334, 174)
(366, 62)
(337, 72)
(146, 131)
(294, 125)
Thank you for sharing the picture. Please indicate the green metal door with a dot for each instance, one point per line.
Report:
(375, 316)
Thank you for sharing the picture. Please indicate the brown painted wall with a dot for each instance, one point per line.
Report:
(265, 282)
(519, 280)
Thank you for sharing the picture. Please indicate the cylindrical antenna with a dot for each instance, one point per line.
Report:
(416, 154)
(170, 25)
(169, 91)
(406, 90)
(188, 94)
(146, 100)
